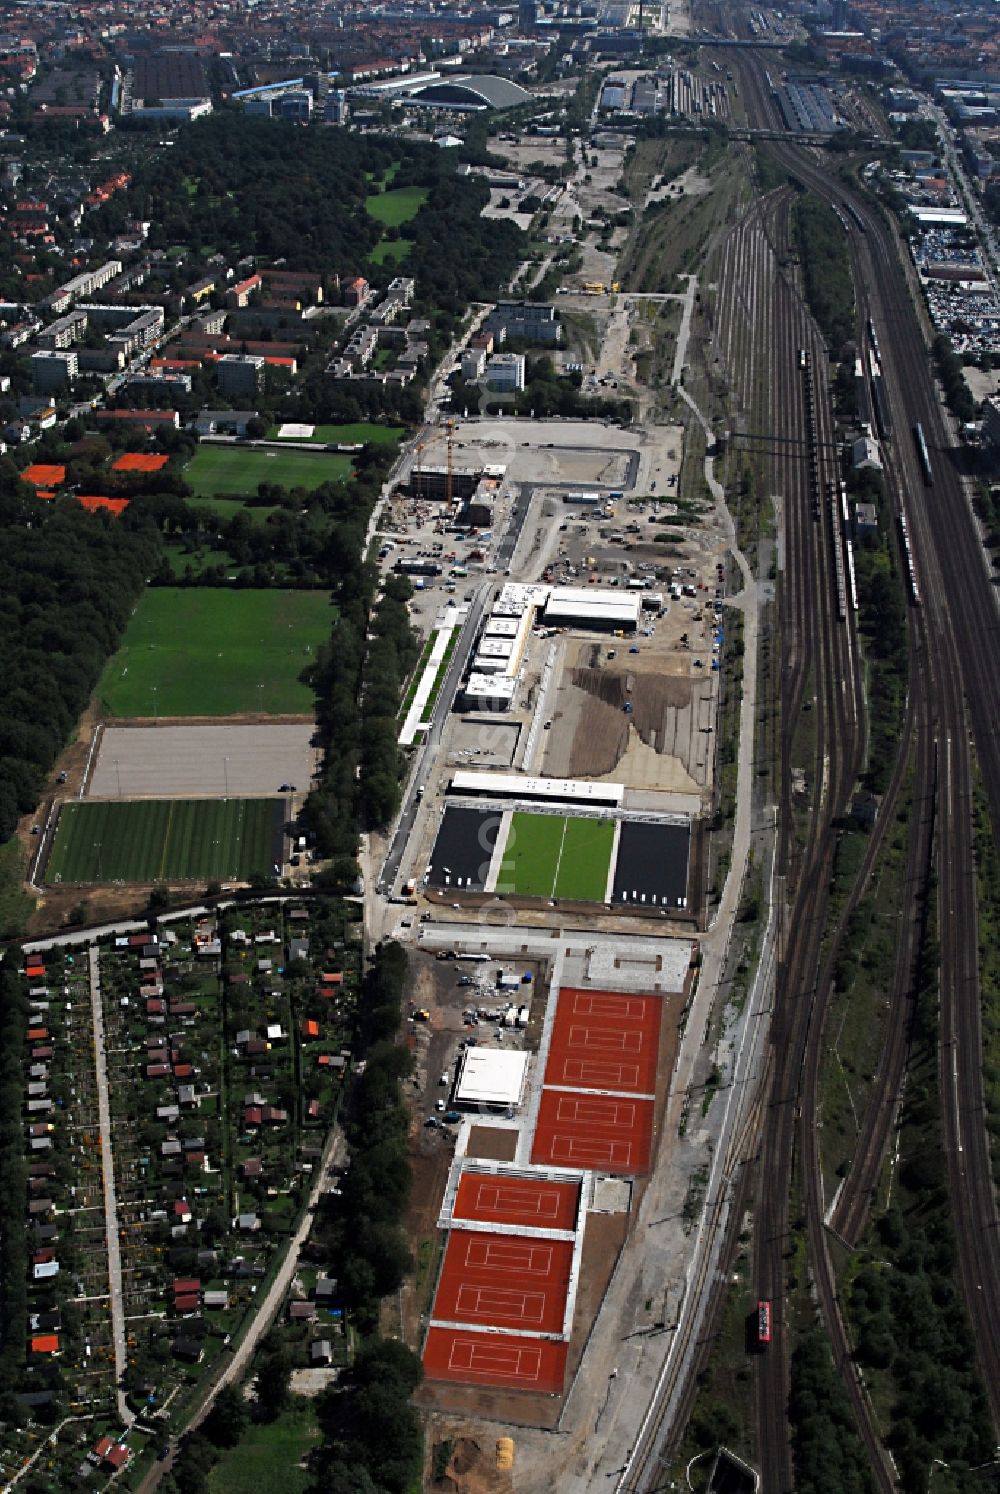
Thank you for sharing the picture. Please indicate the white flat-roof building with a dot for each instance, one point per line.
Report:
(500, 627)
(488, 1080)
(515, 786)
(496, 649)
(488, 692)
(590, 608)
(939, 216)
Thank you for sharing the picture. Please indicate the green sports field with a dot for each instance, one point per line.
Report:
(391, 250)
(169, 840)
(553, 855)
(212, 651)
(359, 433)
(396, 206)
(238, 471)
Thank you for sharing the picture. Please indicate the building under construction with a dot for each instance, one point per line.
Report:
(433, 482)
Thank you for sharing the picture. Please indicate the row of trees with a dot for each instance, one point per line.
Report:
(882, 615)
(956, 390)
(392, 654)
(68, 583)
(826, 268)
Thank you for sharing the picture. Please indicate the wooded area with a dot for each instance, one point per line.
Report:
(68, 582)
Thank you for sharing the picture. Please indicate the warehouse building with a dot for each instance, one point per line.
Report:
(585, 607)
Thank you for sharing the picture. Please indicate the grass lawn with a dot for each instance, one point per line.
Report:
(395, 250)
(348, 435)
(237, 471)
(16, 906)
(551, 855)
(211, 651)
(227, 508)
(268, 1457)
(147, 840)
(396, 206)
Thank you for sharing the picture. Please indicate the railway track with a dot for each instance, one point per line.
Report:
(959, 616)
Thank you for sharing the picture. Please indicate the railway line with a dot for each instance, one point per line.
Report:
(954, 620)
(815, 589)
(943, 560)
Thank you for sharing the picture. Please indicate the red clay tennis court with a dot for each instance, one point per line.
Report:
(530, 1203)
(495, 1359)
(605, 1040)
(506, 1281)
(606, 1133)
(139, 461)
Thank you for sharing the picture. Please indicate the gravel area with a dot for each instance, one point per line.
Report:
(185, 761)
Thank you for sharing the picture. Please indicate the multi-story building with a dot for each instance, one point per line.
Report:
(505, 372)
(238, 375)
(52, 370)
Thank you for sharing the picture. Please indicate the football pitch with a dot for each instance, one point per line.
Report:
(238, 471)
(170, 840)
(212, 651)
(553, 855)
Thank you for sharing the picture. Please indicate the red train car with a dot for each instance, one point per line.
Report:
(763, 1324)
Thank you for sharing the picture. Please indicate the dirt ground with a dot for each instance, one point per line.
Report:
(471, 1468)
(489, 1143)
(659, 744)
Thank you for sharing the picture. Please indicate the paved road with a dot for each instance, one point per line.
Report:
(110, 1200)
(425, 762)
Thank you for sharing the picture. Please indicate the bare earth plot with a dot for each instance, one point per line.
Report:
(185, 761)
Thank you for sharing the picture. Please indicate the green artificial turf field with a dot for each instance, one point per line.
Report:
(173, 840)
(237, 471)
(396, 206)
(211, 651)
(551, 855)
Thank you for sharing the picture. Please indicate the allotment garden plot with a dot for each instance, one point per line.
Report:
(175, 840)
(210, 651)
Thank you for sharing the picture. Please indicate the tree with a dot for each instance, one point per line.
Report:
(228, 1418)
(271, 1383)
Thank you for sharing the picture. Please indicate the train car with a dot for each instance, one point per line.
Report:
(911, 569)
(803, 358)
(763, 1324)
(922, 454)
(858, 220)
(880, 406)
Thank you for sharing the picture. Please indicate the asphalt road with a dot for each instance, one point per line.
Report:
(110, 1200)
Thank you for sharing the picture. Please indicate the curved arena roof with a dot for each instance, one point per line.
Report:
(479, 90)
